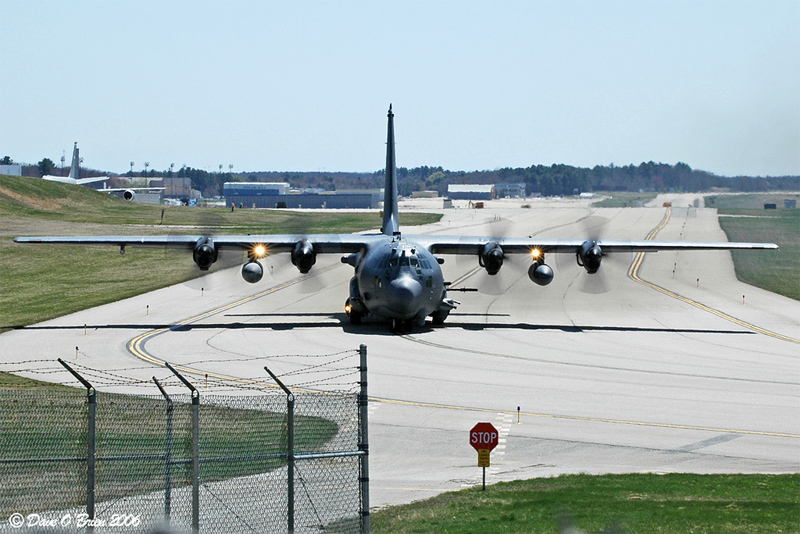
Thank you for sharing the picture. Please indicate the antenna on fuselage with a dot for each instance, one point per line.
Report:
(391, 222)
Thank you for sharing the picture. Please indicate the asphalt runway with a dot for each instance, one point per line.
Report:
(677, 367)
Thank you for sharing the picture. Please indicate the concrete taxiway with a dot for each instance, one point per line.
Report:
(674, 367)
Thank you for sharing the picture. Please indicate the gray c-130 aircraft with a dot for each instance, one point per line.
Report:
(397, 277)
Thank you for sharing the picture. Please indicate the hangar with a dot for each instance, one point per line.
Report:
(471, 191)
(278, 195)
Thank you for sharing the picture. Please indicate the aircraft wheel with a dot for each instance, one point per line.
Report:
(438, 317)
(398, 326)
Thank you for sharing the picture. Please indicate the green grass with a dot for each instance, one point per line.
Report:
(751, 201)
(45, 421)
(743, 218)
(675, 503)
(622, 199)
(40, 282)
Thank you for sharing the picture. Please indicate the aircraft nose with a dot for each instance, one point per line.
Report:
(405, 293)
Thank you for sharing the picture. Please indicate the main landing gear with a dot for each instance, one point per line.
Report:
(402, 326)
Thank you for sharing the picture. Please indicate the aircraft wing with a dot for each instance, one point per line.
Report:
(322, 243)
(439, 244)
(74, 181)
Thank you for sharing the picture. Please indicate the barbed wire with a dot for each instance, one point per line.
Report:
(325, 370)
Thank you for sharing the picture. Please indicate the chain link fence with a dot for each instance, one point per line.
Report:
(265, 460)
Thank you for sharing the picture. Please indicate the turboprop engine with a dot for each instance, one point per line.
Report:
(252, 272)
(491, 258)
(205, 253)
(303, 256)
(589, 256)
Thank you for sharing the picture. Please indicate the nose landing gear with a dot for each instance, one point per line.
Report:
(353, 313)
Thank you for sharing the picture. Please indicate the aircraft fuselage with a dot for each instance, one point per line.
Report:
(396, 279)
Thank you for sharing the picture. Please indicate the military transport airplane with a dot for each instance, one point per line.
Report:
(397, 277)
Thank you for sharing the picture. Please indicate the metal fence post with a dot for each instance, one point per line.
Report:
(363, 445)
(91, 445)
(195, 449)
(167, 454)
(290, 459)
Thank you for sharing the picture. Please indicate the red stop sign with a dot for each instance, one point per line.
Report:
(483, 436)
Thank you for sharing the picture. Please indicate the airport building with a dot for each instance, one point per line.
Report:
(471, 192)
(11, 170)
(278, 195)
(509, 190)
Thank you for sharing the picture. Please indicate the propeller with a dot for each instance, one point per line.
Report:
(507, 269)
(594, 263)
(207, 259)
(303, 257)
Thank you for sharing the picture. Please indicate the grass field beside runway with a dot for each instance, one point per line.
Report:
(624, 199)
(633, 504)
(743, 218)
(43, 444)
(40, 282)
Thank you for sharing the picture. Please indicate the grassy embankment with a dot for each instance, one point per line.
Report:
(743, 218)
(40, 282)
(633, 504)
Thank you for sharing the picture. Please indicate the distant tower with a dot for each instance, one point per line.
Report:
(131, 168)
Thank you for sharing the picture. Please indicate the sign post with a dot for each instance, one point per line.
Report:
(483, 437)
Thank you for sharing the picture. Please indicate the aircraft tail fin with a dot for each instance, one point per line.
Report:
(74, 171)
(391, 222)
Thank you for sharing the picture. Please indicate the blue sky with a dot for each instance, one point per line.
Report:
(475, 85)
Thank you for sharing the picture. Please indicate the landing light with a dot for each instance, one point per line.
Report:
(535, 253)
(259, 251)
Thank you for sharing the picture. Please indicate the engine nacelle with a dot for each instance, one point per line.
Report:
(205, 253)
(252, 272)
(589, 256)
(540, 274)
(304, 256)
(491, 258)
(129, 194)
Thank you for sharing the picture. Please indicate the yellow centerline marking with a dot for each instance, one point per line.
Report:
(136, 345)
(586, 419)
(633, 274)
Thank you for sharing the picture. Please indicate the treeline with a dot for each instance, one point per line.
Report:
(545, 180)
(562, 179)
